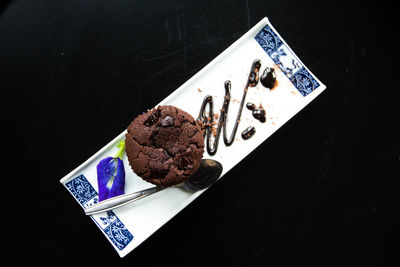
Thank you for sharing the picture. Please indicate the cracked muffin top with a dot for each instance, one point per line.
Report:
(164, 145)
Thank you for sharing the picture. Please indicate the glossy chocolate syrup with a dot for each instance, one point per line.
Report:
(259, 114)
(268, 78)
(249, 132)
(250, 106)
(207, 122)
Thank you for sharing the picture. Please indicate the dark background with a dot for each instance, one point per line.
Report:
(74, 73)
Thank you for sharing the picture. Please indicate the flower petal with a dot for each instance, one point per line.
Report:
(110, 178)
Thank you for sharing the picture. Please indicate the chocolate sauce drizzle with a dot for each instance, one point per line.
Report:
(250, 106)
(268, 78)
(248, 132)
(207, 122)
(258, 113)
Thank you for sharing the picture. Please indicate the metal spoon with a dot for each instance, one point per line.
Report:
(207, 174)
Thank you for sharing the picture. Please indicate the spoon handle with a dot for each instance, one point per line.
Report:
(118, 201)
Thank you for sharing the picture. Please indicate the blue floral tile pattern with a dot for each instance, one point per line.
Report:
(286, 60)
(269, 40)
(83, 191)
(304, 82)
(110, 224)
(115, 230)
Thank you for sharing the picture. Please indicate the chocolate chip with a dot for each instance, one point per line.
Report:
(184, 163)
(152, 119)
(167, 121)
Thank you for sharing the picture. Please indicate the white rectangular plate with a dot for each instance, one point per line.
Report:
(130, 225)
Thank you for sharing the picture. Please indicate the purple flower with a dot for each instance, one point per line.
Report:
(111, 175)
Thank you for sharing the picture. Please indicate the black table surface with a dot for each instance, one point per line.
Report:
(74, 73)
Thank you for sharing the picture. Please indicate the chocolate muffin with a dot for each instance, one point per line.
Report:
(164, 145)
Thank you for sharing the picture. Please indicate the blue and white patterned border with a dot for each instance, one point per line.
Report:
(291, 66)
(110, 224)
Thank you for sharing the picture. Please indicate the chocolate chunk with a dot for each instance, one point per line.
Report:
(184, 163)
(152, 119)
(167, 121)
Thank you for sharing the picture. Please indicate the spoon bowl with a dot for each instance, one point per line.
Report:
(207, 174)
